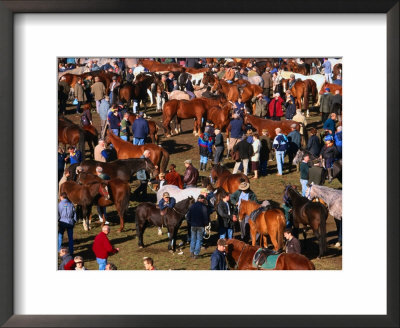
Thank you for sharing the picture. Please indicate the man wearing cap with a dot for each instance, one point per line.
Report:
(98, 90)
(244, 192)
(191, 175)
(294, 139)
(261, 103)
(280, 145)
(140, 130)
(197, 218)
(63, 93)
(292, 243)
(218, 257)
(141, 191)
(325, 104)
(173, 177)
(329, 153)
(166, 202)
(267, 78)
(275, 107)
(66, 221)
(102, 247)
(328, 70)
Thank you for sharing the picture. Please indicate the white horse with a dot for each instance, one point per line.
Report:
(177, 193)
(332, 198)
(257, 80)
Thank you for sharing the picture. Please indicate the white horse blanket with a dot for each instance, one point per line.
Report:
(177, 193)
(319, 79)
(332, 197)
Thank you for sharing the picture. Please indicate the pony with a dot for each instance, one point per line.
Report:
(309, 213)
(240, 256)
(153, 127)
(224, 179)
(270, 222)
(119, 193)
(85, 196)
(148, 213)
(158, 155)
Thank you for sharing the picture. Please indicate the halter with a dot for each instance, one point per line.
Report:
(237, 263)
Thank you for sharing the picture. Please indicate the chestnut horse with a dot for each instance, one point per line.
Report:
(219, 116)
(153, 128)
(223, 178)
(309, 213)
(333, 87)
(158, 155)
(119, 193)
(270, 222)
(240, 256)
(155, 66)
(85, 196)
(71, 134)
(232, 91)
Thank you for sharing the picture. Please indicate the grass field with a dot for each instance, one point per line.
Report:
(182, 147)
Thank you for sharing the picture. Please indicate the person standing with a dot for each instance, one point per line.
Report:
(113, 86)
(124, 132)
(67, 262)
(63, 93)
(197, 217)
(261, 103)
(79, 265)
(162, 93)
(304, 170)
(102, 247)
(86, 117)
(100, 153)
(275, 107)
(255, 159)
(61, 162)
(265, 151)
(235, 128)
(337, 104)
(329, 153)
(218, 257)
(98, 90)
(325, 104)
(225, 217)
(141, 191)
(294, 144)
(314, 144)
(66, 221)
(338, 140)
(74, 156)
(191, 175)
(290, 109)
(299, 118)
(327, 70)
(140, 130)
(292, 243)
(102, 210)
(245, 152)
(219, 146)
(114, 121)
(205, 143)
(280, 145)
(267, 78)
(329, 124)
(79, 94)
(104, 108)
(173, 177)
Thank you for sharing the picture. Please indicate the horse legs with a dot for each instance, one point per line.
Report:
(172, 237)
(167, 128)
(253, 232)
(139, 233)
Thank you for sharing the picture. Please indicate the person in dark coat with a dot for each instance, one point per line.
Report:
(63, 92)
(245, 152)
(140, 130)
(294, 139)
(290, 109)
(267, 78)
(236, 128)
(292, 243)
(197, 217)
(313, 144)
(330, 123)
(191, 175)
(225, 217)
(219, 146)
(329, 153)
(218, 257)
(337, 103)
(325, 104)
(189, 87)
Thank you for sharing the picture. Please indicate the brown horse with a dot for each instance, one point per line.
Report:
(119, 193)
(85, 196)
(240, 256)
(71, 134)
(270, 222)
(309, 213)
(105, 77)
(223, 178)
(333, 87)
(219, 115)
(234, 90)
(337, 70)
(155, 66)
(158, 155)
(91, 137)
(137, 90)
(153, 127)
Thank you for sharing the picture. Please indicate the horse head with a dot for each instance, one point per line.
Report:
(216, 88)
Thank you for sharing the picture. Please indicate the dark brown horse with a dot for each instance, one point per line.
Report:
(158, 155)
(91, 137)
(71, 134)
(223, 178)
(153, 127)
(270, 222)
(85, 196)
(148, 213)
(240, 256)
(119, 193)
(122, 169)
(308, 213)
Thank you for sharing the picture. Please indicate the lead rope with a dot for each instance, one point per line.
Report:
(237, 263)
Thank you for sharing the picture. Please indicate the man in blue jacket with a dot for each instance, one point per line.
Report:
(218, 257)
(166, 202)
(328, 70)
(236, 131)
(197, 218)
(66, 221)
(280, 145)
(140, 130)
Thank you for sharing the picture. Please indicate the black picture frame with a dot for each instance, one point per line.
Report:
(7, 11)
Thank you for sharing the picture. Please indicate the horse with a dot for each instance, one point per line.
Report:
(172, 219)
(71, 134)
(300, 154)
(271, 222)
(177, 193)
(158, 155)
(233, 91)
(331, 197)
(85, 196)
(309, 213)
(122, 169)
(337, 70)
(333, 87)
(223, 178)
(300, 91)
(154, 66)
(91, 137)
(219, 115)
(153, 127)
(137, 90)
(119, 193)
(240, 256)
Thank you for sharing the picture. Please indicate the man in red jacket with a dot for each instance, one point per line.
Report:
(275, 108)
(173, 177)
(102, 247)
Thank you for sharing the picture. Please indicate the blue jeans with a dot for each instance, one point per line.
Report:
(102, 263)
(125, 138)
(203, 159)
(111, 97)
(280, 159)
(70, 231)
(225, 231)
(115, 131)
(303, 187)
(138, 141)
(196, 239)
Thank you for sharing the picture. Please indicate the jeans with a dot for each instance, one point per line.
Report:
(135, 106)
(203, 159)
(328, 77)
(196, 239)
(97, 105)
(225, 231)
(125, 138)
(138, 141)
(102, 263)
(103, 127)
(160, 102)
(303, 187)
(78, 107)
(115, 131)
(111, 97)
(245, 166)
(62, 226)
(280, 159)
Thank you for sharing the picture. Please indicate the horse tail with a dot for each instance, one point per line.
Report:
(164, 160)
(81, 144)
(322, 228)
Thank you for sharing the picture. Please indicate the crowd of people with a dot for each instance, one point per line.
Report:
(250, 151)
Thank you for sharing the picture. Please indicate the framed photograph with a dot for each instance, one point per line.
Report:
(34, 36)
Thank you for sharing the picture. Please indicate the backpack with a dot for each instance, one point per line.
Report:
(84, 120)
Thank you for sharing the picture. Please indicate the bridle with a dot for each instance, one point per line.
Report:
(237, 263)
